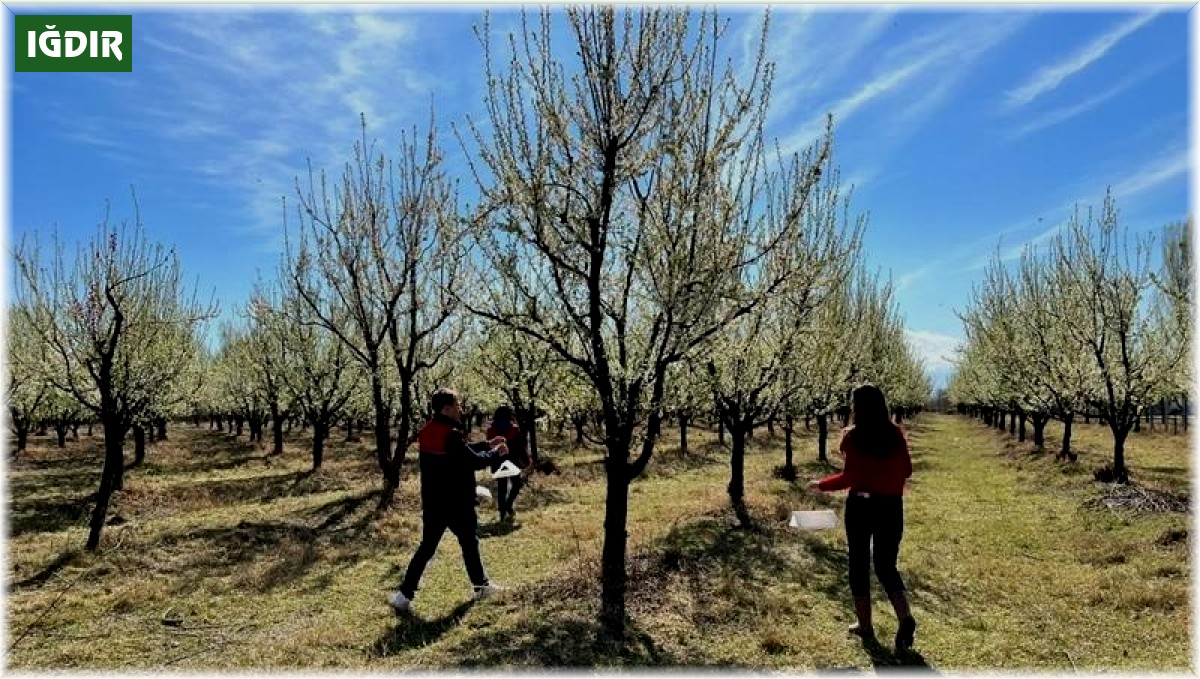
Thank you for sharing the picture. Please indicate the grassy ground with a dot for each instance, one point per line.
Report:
(224, 559)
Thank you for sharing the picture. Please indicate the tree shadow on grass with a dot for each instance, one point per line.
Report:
(61, 561)
(289, 549)
(556, 638)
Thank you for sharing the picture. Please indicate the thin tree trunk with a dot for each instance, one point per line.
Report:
(320, 433)
(683, 428)
(789, 469)
(139, 445)
(113, 462)
(822, 431)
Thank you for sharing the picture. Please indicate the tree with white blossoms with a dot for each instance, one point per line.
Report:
(270, 329)
(376, 262)
(1174, 279)
(518, 373)
(1110, 310)
(27, 390)
(747, 362)
(1060, 373)
(621, 200)
(831, 352)
(1079, 325)
(688, 395)
(315, 373)
(114, 320)
(884, 357)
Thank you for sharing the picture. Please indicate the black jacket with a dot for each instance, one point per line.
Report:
(448, 465)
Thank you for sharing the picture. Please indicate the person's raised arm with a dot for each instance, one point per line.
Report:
(480, 454)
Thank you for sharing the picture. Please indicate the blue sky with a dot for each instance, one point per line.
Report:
(961, 130)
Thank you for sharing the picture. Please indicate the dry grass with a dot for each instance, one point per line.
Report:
(227, 559)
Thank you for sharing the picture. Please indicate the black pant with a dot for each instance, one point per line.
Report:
(463, 523)
(508, 493)
(880, 520)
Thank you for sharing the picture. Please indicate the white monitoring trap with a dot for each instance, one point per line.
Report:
(483, 494)
(506, 470)
(820, 519)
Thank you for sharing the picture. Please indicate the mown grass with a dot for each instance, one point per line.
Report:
(227, 559)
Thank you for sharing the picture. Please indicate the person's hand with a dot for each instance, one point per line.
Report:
(501, 448)
(814, 484)
(496, 441)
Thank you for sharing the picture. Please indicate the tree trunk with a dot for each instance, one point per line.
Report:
(320, 433)
(277, 419)
(612, 558)
(22, 434)
(578, 423)
(720, 429)
(1039, 429)
(789, 469)
(74, 431)
(683, 427)
(139, 445)
(771, 427)
(532, 430)
(1184, 412)
(1065, 453)
(1120, 473)
(162, 428)
(60, 432)
(1021, 430)
(822, 430)
(737, 471)
(383, 443)
(1012, 423)
(114, 462)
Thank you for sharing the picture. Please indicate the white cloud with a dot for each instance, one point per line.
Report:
(1051, 76)
(937, 350)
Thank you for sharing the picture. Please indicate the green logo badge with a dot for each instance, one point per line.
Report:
(73, 42)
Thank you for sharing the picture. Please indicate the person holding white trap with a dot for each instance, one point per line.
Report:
(448, 466)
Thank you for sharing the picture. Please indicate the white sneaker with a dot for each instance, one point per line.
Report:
(486, 591)
(399, 602)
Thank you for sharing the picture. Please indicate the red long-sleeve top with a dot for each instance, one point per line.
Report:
(867, 473)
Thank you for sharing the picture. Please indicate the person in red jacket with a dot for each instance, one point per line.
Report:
(448, 466)
(505, 426)
(876, 468)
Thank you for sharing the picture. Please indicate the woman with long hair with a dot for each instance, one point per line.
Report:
(877, 464)
(504, 424)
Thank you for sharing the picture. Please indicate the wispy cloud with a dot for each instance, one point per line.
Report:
(816, 49)
(250, 96)
(1151, 175)
(1047, 78)
(936, 349)
(1064, 114)
(920, 76)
